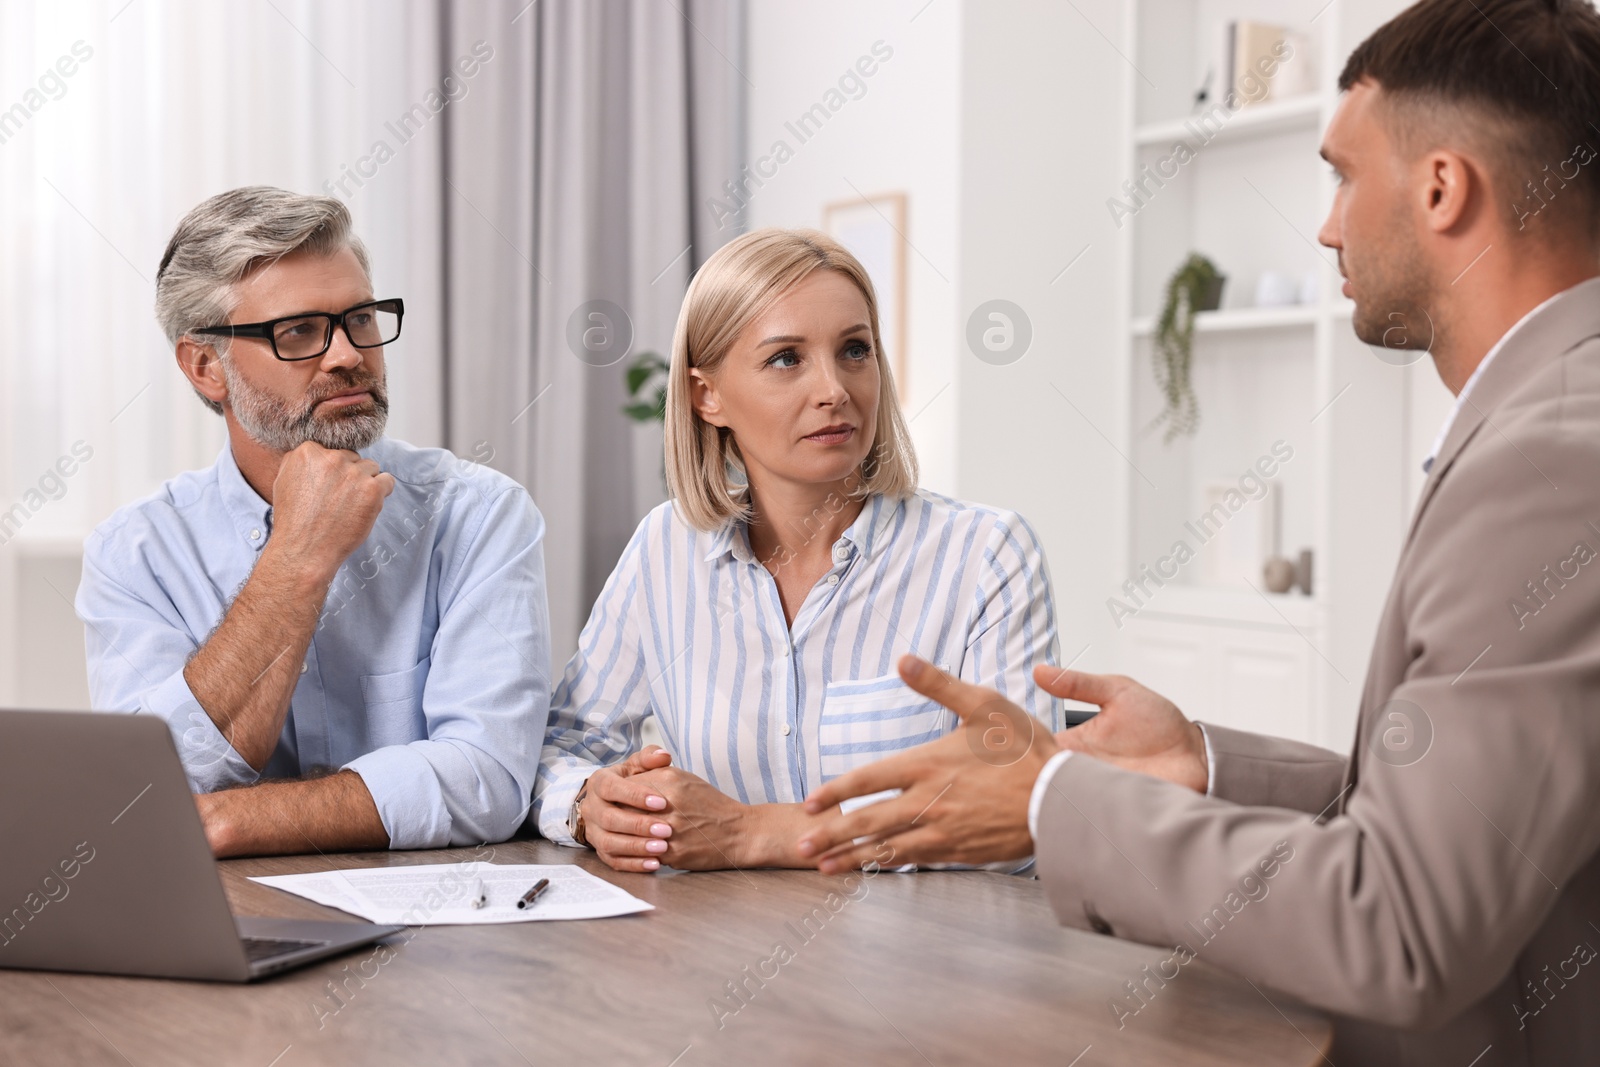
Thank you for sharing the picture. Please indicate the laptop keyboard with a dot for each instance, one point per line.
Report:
(266, 948)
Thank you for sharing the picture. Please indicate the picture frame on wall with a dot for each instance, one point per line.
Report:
(1240, 543)
(873, 228)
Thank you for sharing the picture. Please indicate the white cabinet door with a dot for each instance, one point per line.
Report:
(1264, 682)
(1175, 659)
(1246, 678)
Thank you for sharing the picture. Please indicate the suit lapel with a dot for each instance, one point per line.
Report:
(1548, 335)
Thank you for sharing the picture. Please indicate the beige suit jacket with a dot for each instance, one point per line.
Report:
(1438, 890)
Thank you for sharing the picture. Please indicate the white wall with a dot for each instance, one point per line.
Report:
(901, 135)
(1042, 107)
(8, 631)
(999, 120)
(49, 637)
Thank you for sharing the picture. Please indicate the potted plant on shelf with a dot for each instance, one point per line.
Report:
(1194, 286)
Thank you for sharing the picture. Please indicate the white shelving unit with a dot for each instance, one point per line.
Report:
(1253, 197)
(1261, 120)
(1242, 319)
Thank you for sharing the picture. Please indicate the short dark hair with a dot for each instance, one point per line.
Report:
(1533, 65)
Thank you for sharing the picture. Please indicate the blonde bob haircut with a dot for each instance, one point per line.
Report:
(741, 280)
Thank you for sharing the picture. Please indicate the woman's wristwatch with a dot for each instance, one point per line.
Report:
(575, 816)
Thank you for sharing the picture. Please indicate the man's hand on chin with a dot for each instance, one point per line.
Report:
(964, 798)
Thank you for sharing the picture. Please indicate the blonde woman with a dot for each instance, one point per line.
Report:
(758, 614)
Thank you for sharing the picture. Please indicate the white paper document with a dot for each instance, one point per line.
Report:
(442, 894)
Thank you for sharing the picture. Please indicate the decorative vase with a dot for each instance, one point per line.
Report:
(1278, 574)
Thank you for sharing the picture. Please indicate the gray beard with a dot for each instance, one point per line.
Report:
(273, 423)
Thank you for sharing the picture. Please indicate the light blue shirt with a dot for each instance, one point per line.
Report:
(690, 629)
(428, 674)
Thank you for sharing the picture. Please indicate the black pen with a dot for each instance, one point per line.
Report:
(533, 894)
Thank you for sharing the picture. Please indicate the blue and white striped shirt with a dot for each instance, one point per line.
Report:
(689, 628)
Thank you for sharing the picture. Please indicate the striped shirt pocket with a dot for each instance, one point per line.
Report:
(868, 720)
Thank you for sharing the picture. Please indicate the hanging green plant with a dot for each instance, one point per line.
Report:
(647, 371)
(1194, 286)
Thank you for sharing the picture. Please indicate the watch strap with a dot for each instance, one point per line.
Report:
(575, 816)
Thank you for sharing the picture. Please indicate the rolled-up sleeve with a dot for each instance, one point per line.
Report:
(137, 648)
(486, 700)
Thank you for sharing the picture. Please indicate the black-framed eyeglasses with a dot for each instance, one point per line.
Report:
(297, 337)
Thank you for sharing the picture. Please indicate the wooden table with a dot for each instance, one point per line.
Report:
(929, 968)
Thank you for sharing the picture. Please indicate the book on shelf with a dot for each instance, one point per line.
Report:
(1263, 62)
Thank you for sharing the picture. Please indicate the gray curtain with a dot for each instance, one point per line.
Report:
(576, 205)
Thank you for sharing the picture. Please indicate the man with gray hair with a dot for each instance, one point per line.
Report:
(347, 635)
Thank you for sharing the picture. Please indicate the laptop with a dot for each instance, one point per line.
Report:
(106, 868)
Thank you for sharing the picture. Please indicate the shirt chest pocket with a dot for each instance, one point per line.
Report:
(867, 720)
(394, 705)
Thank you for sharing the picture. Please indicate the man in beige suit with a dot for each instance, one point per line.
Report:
(1438, 890)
